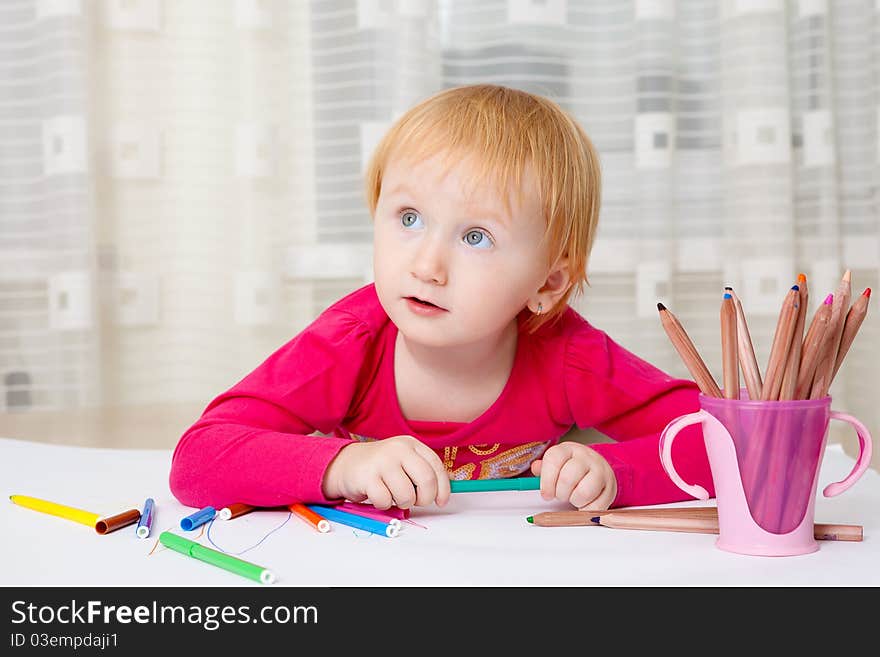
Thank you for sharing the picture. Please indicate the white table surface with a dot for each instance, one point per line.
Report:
(479, 539)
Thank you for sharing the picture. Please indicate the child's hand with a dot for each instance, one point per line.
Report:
(578, 474)
(398, 471)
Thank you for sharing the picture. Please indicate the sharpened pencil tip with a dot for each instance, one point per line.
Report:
(802, 278)
(828, 299)
(727, 295)
(795, 288)
(727, 287)
(660, 306)
(847, 276)
(595, 519)
(867, 292)
(530, 519)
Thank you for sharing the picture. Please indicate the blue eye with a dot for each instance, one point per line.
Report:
(477, 239)
(410, 219)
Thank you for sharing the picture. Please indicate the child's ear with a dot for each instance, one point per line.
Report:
(557, 284)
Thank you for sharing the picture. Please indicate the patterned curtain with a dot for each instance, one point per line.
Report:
(180, 181)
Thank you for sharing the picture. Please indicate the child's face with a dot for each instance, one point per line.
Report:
(441, 239)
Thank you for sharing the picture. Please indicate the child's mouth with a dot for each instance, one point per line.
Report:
(424, 304)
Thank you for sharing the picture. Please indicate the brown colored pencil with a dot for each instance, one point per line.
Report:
(709, 525)
(812, 348)
(109, 524)
(582, 518)
(747, 360)
(781, 345)
(793, 362)
(688, 352)
(729, 360)
(825, 367)
(851, 325)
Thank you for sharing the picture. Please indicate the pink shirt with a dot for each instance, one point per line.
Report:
(256, 443)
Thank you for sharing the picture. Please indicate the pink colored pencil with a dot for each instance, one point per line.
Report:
(369, 511)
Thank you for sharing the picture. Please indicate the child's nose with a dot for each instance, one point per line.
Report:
(429, 262)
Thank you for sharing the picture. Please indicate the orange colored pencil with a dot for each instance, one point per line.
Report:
(747, 361)
(317, 521)
(729, 361)
(781, 345)
(688, 352)
(793, 362)
(825, 368)
(851, 325)
(811, 352)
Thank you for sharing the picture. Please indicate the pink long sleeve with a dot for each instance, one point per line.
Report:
(251, 444)
(631, 401)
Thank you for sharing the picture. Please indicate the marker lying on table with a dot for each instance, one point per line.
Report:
(107, 524)
(356, 521)
(200, 517)
(145, 524)
(52, 508)
(482, 485)
(215, 558)
(234, 510)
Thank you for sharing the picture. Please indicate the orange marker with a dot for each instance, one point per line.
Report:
(318, 522)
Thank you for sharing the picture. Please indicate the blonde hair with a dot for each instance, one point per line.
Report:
(506, 130)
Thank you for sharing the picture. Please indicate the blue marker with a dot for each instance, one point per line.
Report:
(146, 521)
(356, 521)
(200, 517)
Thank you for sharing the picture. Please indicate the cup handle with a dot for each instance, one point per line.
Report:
(666, 438)
(864, 460)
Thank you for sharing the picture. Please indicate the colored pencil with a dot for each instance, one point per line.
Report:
(812, 347)
(315, 520)
(729, 361)
(215, 558)
(851, 325)
(109, 524)
(781, 345)
(688, 352)
(747, 360)
(825, 367)
(234, 510)
(145, 524)
(793, 362)
(583, 518)
(356, 521)
(708, 524)
(55, 509)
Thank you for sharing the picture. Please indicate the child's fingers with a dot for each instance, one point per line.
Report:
(553, 460)
(423, 477)
(379, 495)
(571, 475)
(440, 474)
(536, 468)
(591, 493)
(402, 488)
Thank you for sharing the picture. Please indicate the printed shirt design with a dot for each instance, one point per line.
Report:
(487, 461)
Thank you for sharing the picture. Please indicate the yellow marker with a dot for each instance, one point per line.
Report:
(66, 512)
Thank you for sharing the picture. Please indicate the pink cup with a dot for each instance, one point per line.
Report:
(765, 458)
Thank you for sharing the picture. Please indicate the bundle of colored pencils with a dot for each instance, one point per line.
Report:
(800, 366)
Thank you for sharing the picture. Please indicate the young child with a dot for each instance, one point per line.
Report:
(463, 360)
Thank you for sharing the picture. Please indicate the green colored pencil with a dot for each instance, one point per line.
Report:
(482, 485)
(215, 558)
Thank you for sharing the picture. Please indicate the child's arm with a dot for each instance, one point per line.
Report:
(251, 443)
(631, 401)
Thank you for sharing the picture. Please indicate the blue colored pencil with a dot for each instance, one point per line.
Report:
(146, 521)
(356, 521)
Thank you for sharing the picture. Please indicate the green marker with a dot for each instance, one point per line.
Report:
(215, 558)
(482, 485)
